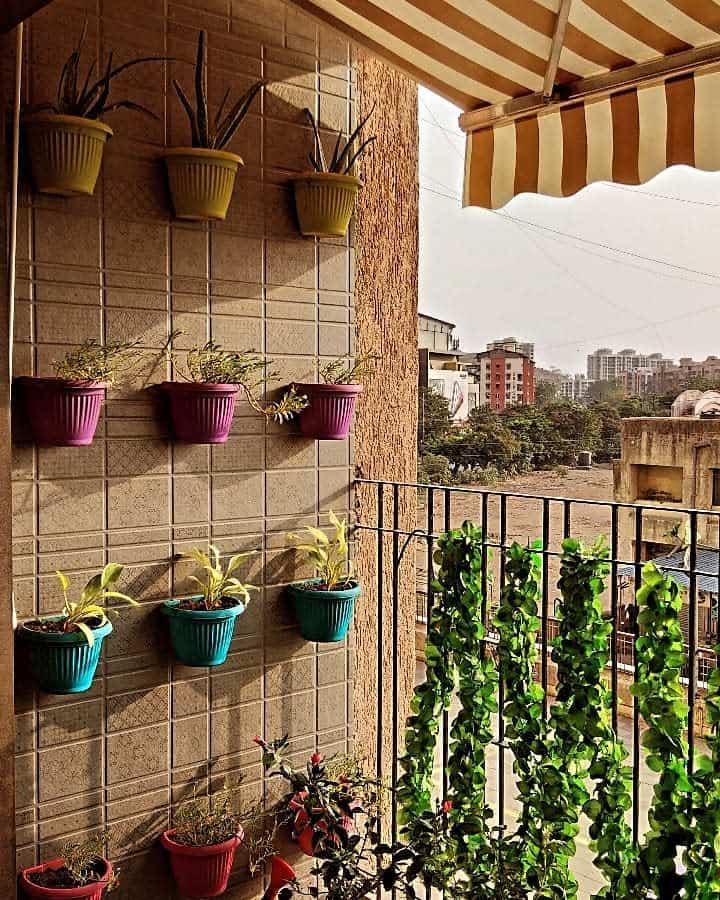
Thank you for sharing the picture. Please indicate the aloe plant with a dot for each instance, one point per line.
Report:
(219, 133)
(86, 98)
(344, 153)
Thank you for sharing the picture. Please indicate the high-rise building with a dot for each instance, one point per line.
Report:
(575, 387)
(606, 365)
(505, 377)
(513, 345)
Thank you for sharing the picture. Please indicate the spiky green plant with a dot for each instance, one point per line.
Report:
(344, 153)
(216, 134)
(78, 96)
(92, 603)
(94, 362)
(220, 582)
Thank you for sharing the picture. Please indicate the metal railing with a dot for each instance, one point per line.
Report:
(632, 536)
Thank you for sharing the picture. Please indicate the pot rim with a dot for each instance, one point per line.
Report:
(170, 608)
(54, 381)
(320, 388)
(166, 839)
(338, 177)
(338, 594)
(202, 153)
(42, 891)
(47, 117)
(199, 387)
(60, 637)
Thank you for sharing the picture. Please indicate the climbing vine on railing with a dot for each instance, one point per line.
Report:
(703, 855)
(660, 657)
(455, 657)
(582, 717)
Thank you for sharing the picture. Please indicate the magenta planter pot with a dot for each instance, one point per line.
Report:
(330, 412)
(201, 872)
(201, 413)
(62, 413)
(92, 891)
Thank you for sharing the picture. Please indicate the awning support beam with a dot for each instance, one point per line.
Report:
(598, 86)
(556, 47)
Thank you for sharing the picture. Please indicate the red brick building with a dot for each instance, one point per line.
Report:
(506, 378)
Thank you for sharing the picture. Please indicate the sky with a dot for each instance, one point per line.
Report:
(495, 277)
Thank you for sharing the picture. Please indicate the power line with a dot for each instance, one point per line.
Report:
(643, 193)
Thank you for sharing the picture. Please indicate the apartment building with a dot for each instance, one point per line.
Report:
(513, 345)
(440, 369)
(505, 378)
(575, 387)
(606, 365)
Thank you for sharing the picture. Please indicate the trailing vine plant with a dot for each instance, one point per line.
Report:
(703, 855)
(660, 657)
(455, 657)
(582, 716)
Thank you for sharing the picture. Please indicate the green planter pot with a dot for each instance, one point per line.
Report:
(324, 616)
(64, 663)
(201, 637)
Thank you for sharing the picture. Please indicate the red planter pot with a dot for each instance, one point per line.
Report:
(87, 892)
(62, 413)
(201, 413)
(330, 412)
(201, 871)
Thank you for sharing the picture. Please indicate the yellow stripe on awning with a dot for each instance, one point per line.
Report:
(556, 93)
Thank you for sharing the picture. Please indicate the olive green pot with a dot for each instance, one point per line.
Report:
(325, 203)
(201, 181)
(65, 152)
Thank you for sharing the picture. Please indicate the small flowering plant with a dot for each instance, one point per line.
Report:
(324, 797)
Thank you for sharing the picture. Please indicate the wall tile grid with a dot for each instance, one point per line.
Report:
(117, 266)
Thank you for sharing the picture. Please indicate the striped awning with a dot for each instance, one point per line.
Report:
(557, 93)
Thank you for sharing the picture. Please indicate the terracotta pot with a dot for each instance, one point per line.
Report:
(65, 152)
(201, 413)
(201, 871)
(201, 181)
(87, 892)
(62, 413)
(281, 873)
(330, 410)
(325, 202)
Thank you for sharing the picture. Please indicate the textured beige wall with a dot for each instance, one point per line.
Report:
(117, 266)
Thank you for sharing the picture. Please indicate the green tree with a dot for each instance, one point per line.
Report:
(546, 392)
(606, 391)
(433, 418)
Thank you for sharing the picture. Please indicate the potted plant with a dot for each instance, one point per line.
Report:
(63, 411)
(202, 177)
(201, 627)
(324, 604)
(331, 404)
(324, 797)
(65, 649)
(281, 873)
(325, 197)
(203, 403)
(81, 872)
(205, 835)
(65, 138)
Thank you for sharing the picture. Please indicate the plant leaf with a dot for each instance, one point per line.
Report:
(87, 631)
(195, 134)
(201, 90)
(234, 118)
(318, 144)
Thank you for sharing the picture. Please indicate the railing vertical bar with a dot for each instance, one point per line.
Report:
(545, 602)
(567, 518)
(614, 614)
(501, 687)
(637, 555)
(380, 628)
(447, 524)
(692, 638)
(484, 562)
(429, 595)
(395, 646)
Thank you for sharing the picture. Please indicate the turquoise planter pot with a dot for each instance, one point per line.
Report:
(201, 637)
(324, 616)
(64, 663)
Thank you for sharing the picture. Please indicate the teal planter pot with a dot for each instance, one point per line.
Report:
(324, 616)
(201, 637)
(64, 663)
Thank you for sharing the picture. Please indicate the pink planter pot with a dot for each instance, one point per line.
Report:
(201, 871)
(330, 412)
(62, 413)
(88, 892)
(201, 413)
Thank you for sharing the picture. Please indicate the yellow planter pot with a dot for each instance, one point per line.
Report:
(201, 181)
(65, 152)
(325, 203)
